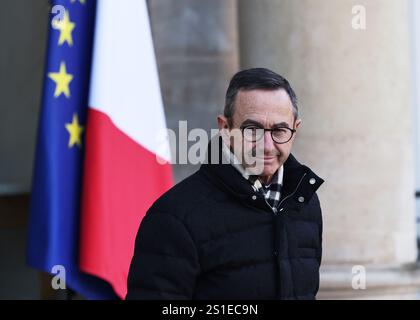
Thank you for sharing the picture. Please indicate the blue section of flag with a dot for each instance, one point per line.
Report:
(55, 200)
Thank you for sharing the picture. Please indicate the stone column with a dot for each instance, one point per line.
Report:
(23, 35)
(196, 45)
(353, 87)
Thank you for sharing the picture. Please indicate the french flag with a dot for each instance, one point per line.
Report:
(126, 164)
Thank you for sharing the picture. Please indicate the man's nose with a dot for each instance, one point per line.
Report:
(268, 141)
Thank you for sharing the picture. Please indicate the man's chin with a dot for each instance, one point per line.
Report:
(263, 169)
(269, 170)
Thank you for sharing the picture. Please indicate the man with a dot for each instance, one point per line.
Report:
(237, 229)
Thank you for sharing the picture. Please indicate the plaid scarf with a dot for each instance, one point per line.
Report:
(272, 191)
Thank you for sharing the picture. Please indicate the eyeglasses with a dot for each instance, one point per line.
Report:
(279, 135)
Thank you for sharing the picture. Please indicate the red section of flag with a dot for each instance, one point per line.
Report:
(121, 181)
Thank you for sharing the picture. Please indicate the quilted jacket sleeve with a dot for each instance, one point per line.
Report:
(165, 262)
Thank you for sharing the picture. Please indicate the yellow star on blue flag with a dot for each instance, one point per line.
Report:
(65, 26)
(62, 81)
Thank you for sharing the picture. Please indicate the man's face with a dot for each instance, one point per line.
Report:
(269, 109)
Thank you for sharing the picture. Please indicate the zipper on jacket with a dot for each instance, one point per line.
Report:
(290, 195)
(277, 209)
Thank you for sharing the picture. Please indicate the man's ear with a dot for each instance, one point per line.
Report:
(223, 125)
(222, 122)
(297, 123)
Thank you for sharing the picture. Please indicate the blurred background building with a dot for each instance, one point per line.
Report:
(358, 98)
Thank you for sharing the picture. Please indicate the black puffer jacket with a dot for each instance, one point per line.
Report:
(212, 237)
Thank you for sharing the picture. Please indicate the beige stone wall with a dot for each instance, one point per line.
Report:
(354, 95)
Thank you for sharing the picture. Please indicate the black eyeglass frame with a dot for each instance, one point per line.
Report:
(293, 131)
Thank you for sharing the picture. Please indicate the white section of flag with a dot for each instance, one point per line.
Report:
(124, 82)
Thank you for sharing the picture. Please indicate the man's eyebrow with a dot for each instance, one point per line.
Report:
(281, 124)
(251, 122)
(256, 123)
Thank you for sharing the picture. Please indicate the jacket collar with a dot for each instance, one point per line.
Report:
(299, 181)
(233, 160)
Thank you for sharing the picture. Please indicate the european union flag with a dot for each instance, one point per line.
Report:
(55, 202)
